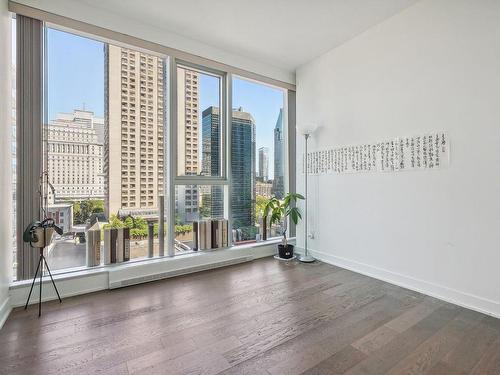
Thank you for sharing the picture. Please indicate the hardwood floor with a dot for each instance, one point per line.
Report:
(263, 317)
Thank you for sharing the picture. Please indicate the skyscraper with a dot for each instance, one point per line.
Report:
(279, 182)
(242, 165)
(75, 151)
(212, 197)
(210, 142)
(242, 169)
(134, 150)
(263, 164)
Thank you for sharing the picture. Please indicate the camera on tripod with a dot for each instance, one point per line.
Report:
(39, 235)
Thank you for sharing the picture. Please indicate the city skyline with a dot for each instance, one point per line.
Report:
(69, 53)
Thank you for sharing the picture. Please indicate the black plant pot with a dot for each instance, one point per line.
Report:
(285, 252)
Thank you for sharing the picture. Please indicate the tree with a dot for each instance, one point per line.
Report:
(84, 209)
(260, 205)
(114, 223)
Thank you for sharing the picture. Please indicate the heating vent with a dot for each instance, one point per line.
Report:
(182, 271)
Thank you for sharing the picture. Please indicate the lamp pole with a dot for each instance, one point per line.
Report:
(306, 258)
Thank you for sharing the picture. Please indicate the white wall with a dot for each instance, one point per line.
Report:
(5, 161)
(435, 66)
(80, 11)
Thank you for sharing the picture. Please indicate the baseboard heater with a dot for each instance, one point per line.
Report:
(178, 272)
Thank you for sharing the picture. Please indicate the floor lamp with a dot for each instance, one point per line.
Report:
(306, 131)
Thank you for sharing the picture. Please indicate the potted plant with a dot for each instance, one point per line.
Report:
(278, 211)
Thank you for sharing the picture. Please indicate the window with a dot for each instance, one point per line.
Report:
(199, 125)
(105, 152)
(257, 156)
(101, 176)
(208, 204)
(200, 152)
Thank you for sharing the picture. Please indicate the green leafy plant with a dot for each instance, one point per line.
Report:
(277, 211)
(260, 205)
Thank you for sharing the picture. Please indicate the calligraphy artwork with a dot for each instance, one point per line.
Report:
(429, 151)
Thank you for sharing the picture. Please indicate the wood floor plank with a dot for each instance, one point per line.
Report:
(489, 364)
(414, 315)
(431, 351)
(374, 340)
(261, 318)
(444, 369)
(275, 330)
(380, 362)
(338, 363)
(470, 350)
(309, 349)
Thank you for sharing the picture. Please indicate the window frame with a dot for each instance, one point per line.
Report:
(225, 99)
(224, 105)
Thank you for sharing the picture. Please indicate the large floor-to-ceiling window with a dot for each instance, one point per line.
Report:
(257, 157)
(104, 145)
(199, 165)
(144, 155)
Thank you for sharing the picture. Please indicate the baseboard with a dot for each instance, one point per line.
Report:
(5, 310)
(444, 293)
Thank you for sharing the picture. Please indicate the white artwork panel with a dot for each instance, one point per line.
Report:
(428, 151)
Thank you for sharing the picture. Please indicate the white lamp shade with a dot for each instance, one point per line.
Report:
(307, 127)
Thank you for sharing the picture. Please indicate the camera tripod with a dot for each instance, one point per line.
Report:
(41, 262)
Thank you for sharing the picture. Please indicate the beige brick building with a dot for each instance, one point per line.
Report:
(187, 197)
(134, 139)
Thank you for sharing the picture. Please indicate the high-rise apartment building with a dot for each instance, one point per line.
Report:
(75, 151)
(187, 198)
(279, 147)
(263, 164)
(134, 144)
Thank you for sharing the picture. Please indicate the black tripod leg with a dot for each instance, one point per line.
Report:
(53, 283)
(40, 300)
(33, 283)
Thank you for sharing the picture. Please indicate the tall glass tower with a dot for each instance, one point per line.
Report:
(242, 165)
(279, 182)
(242, 169)
(212, 198)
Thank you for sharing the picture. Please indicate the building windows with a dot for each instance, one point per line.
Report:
(105, 151)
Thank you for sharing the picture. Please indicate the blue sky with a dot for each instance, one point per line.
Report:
(76, 78)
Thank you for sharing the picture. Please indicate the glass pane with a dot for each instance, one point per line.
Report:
(74, 142)
(198, 150)
(257, 157)
(134, 141)
(195, 203)
(105, 150)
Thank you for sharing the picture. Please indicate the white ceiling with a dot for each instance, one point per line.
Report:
(282, 33)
